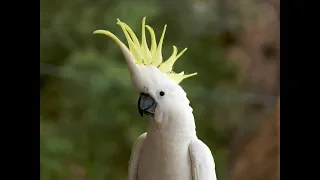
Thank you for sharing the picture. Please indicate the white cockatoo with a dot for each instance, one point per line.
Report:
(170, 149)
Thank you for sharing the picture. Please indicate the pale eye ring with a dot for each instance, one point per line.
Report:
(161, 93)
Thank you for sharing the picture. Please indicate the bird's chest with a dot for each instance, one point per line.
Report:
(162, 159)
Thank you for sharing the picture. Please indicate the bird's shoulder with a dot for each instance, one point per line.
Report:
(200, 154)
(139, 142)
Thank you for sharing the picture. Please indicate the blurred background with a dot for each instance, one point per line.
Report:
(88, 114)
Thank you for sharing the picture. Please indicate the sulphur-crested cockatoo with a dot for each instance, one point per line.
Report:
(170, 149)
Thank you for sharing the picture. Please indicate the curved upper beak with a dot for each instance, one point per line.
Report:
(146, 105)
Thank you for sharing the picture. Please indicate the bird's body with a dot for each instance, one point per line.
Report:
(173, 159)
(161, 158)
(165, 146)
(170, 149)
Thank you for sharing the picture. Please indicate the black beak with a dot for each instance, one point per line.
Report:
(146, 105)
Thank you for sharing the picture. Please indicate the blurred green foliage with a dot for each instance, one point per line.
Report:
(88, 117)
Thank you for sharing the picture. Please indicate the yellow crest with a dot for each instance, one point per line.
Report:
(141, 53)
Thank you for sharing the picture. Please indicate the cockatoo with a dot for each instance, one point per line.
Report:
(170, 149)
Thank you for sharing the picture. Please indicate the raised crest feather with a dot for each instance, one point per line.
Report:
(143, 55)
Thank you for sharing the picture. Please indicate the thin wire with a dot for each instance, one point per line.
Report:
(267, 100)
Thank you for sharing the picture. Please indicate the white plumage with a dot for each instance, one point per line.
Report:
(170, 149)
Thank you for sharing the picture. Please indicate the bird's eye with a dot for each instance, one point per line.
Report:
(161, 93)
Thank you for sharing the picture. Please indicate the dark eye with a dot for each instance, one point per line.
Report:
(161, 93)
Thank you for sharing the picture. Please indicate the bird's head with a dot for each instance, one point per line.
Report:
(152, 77)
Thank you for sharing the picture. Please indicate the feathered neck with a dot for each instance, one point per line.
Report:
(179, 122)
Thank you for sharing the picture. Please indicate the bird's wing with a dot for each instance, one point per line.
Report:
(202, 162)
(135, 155)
